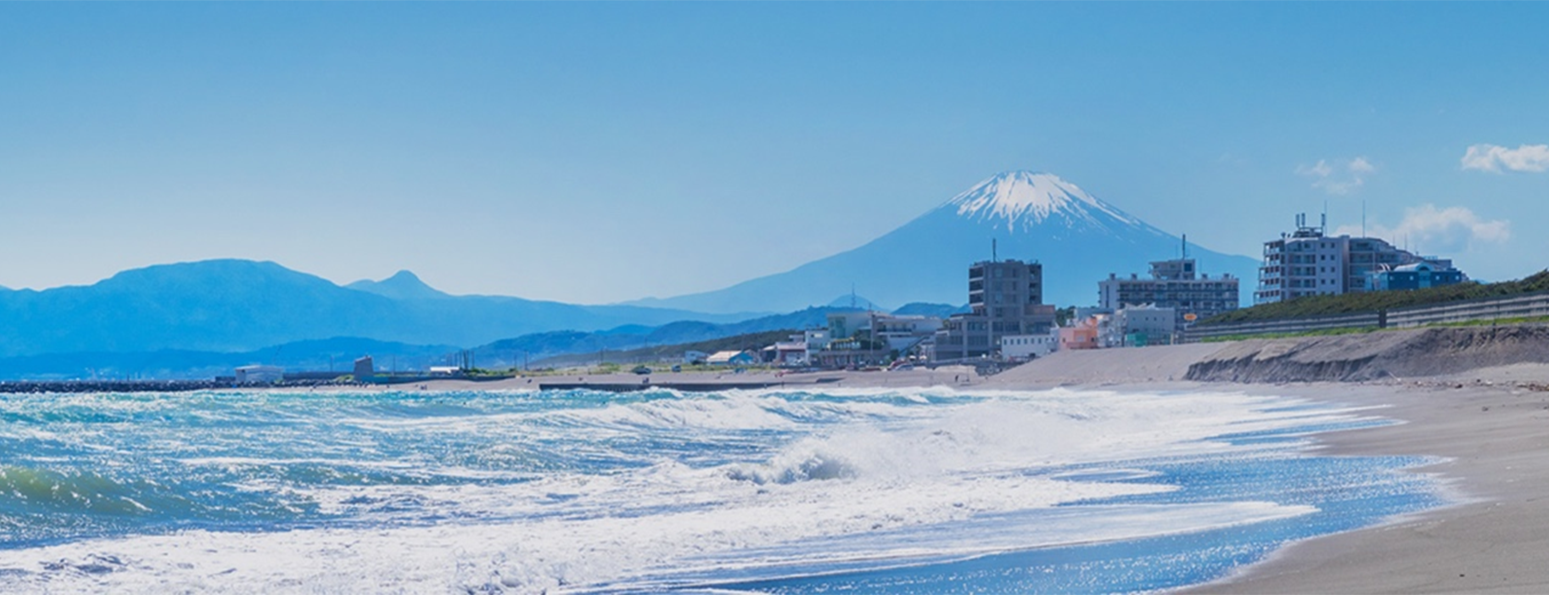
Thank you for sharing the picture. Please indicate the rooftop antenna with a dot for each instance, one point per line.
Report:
(852, 295)
(1363, 217)
(1185, 255)
(994, 251)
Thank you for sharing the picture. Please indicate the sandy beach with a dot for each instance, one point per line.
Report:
(1487, 416)
(1496, 437)
(1491, 423)
(1483, 415)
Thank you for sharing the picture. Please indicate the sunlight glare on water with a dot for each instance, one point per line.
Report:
(880, 490)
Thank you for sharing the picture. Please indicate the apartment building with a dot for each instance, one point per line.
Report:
(1175, 284)
(1309, 262)
(1004, 298)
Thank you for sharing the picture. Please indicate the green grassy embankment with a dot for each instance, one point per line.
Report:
(1375, 301)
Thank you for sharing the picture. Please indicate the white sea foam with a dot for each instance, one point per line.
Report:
(857, 479)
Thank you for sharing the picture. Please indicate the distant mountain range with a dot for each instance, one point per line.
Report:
(536, 347)
(339, 354)
(239, 305)
(212, 314)
(1033, 216)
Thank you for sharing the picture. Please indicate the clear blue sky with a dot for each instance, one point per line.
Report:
(604, 152)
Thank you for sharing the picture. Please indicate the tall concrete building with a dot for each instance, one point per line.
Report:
(1307, 262)
(1174, 284)
(1005, 297)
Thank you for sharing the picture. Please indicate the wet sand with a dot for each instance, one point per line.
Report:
(1496, 437)
(1491, 424)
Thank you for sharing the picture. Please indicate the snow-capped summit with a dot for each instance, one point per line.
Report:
(1024, 215)
(1024, 199)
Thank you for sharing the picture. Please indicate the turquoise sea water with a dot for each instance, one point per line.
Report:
(794, 492)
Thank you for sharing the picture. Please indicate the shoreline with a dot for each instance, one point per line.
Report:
(1489, 423)
(1495, 442)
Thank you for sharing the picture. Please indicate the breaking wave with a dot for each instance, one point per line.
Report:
(581, 491)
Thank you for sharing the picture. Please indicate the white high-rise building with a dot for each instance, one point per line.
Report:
(1307, 262)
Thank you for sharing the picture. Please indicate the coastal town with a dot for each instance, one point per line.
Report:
(1007, 321)
(539, 298)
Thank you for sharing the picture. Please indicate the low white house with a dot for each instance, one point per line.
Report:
(260, 374)
(787, 353)
(815, 340)
(695, 357)
(731, 358)
(903, 332)
(1022, 347)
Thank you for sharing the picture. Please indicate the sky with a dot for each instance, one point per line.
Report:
(598, 152)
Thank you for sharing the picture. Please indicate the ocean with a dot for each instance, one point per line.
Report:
(868, 491)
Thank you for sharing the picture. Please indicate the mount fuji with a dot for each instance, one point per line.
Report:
(1032, 216)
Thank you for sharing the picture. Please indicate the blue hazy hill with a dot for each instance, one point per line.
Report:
(928, 309)
(338, 353)
(534, 347)
(403, 285)
(239, 305)
(1078, 238)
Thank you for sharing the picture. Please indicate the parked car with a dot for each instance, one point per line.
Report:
(641, 370)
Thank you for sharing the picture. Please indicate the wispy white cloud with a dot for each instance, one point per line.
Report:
(1438, 230)
(1341, 177)
(1494, 158)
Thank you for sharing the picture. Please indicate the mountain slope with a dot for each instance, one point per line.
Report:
(1032, 216)
(403, 285)
(239, 305)
(537, 346)
(339, 353)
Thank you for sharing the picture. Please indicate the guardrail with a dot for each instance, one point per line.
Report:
(1475, 310)
(1288, 325)
(1522, 306)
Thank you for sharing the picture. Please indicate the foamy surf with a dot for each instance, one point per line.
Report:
(583, 491)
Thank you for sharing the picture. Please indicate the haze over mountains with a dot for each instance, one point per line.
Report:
(201, 319)
(1079, 238)
(176, 312)
(238, 305)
